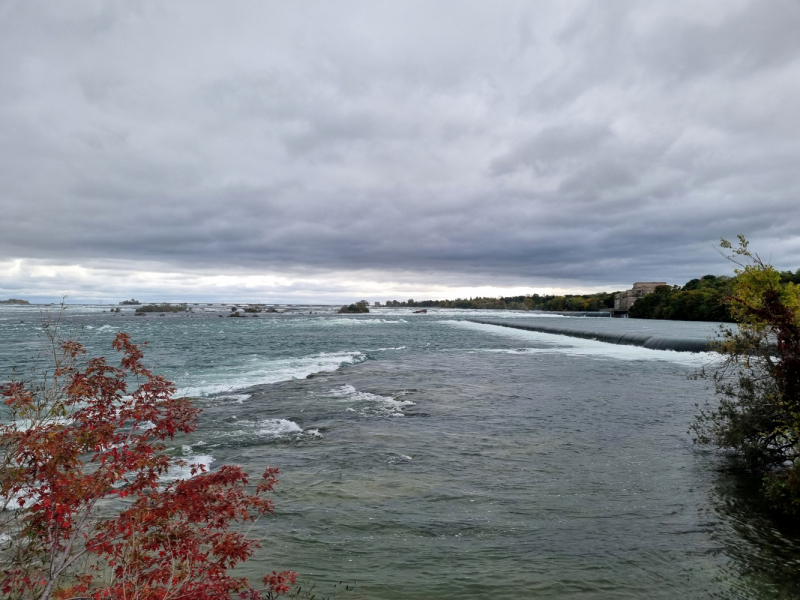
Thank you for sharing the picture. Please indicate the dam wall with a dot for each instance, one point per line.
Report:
(645, 340)
(579, 313)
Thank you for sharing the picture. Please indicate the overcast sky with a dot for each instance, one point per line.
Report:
(325, 151)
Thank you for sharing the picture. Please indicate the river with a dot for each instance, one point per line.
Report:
(427, 456)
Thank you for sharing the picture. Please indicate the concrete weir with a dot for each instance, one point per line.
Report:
(653, 342)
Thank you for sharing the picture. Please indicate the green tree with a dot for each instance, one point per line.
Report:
(557, 303)
(576, 303)
(699, 300)
(362, 306)
(757, 413)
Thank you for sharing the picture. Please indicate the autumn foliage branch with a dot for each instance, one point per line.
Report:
(756, 414)
(86, 511)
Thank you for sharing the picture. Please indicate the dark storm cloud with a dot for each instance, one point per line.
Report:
(512, 143)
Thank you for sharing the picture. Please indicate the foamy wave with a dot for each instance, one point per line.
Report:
(235, 398)
(350, 321)
(277, 427)
(258, 371)
(398, 458)
(267, 429)
(548, 343)
(368, 404)
(13, 500)
(177, 472)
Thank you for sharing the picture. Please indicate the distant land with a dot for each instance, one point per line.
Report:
(579, 302)
(14, 301)
(701, 299)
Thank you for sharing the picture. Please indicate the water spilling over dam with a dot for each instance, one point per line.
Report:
(625, 338)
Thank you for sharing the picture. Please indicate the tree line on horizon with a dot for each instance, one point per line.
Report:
(701, 299)
(588, 302)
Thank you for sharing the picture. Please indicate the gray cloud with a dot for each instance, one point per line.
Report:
(513, 145)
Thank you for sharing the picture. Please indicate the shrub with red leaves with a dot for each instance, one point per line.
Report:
(80, 445)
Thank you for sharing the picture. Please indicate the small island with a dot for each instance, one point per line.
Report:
(15, 301)
(164, 307)
(359, 307)
(130, 302)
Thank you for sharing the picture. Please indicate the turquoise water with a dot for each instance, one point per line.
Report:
(430, 457)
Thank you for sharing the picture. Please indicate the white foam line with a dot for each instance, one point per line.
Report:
(562, 344)
(269, 428)
(278, 427)
(350, 321)
(387, 404)
(235, 398)
(260, 371)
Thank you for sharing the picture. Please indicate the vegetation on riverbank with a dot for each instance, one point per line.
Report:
(91, 508)
(587, 302)
(704, 299)
(701, 299)
(757, 416)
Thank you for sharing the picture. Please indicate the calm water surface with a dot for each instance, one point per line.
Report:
(424, 456)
